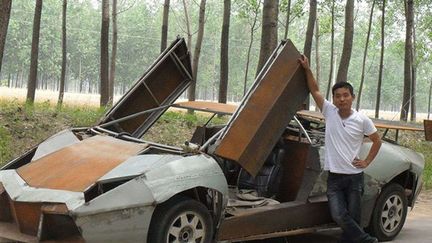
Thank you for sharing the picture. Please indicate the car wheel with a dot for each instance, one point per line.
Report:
(181, 219)
(389, 213)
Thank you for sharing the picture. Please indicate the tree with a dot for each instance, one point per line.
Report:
(32, 80)
(380, 75)
(331, 50)
(269, 32)
(187, 23)
(223, 84)
(197, 51)
(310, 28)
(359, 94)
(64, 48)
(249, 10)
(5, 9)
(287, 22)
(342, 74)
(409, 15)
(429, 100)
(104, 57)
(113, 53)
(165, 25)
(414, 74)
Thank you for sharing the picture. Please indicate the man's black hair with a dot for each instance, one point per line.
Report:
(343, 85)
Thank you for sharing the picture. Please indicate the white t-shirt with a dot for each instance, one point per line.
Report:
(343, 138)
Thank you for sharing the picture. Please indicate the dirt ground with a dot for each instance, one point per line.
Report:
(417, 228)
(423, 207)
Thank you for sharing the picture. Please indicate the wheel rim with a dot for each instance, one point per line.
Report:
(187, 227)
(392, 213)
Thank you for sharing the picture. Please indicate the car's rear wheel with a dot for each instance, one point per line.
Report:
(181, 219)
(389, 213)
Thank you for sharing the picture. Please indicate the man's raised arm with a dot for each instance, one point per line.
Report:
(311, 82)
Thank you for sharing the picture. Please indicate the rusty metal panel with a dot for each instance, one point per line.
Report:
(428, 129)
(5, 213)
(275, 218)
(218, 108)
(268, 110)
(161, 85)
(26, 216)
(55, 209)
(10, 232)
(77, 167)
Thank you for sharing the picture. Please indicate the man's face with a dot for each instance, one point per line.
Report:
(343, 99)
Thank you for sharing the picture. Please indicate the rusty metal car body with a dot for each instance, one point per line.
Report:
(106, 184)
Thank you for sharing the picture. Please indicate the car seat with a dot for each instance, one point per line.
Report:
(267, 181)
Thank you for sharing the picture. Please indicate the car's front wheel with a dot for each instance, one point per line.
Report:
(389, 213)
(181, 219)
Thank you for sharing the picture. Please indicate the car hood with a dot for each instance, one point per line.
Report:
(159, 87)
(78, 166)
(277, 93)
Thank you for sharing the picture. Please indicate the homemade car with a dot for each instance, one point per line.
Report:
(258, 176)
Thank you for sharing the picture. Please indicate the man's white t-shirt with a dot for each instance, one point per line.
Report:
(343, 139)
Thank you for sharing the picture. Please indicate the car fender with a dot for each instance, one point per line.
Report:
(390, 161)
(125, 211)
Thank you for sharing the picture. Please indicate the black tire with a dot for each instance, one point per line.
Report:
(389, 213)
(181, 219)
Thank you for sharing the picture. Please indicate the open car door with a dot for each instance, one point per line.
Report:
(153, 93)
(272, 101)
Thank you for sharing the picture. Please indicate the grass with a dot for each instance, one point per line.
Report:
(23, 126)
(417, 143)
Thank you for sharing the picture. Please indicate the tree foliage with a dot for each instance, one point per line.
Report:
(139, 42)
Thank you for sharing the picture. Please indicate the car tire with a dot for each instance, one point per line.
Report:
(181, 219)
(389, 213)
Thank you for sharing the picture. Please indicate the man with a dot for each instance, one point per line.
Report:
(345, 130)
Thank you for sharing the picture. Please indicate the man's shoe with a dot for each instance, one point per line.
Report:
(372, 240)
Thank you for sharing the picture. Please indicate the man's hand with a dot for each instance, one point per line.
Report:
(303, 60)
(358, 163)
(311, 82)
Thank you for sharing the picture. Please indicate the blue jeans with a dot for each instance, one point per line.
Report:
(344, 194)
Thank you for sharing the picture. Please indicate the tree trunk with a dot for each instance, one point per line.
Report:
(287, 19)
(429, 100)
(317, 59)
(378, 95)
(113, 53)
(414, 75)
(81, 81)
(269, 32)
(331, 51)
(223, 85)
(5, 9)
(64, 46)
(252, 32)
(187, 21)
(104, 56)
(365, 55)
(317, 62)
(409, 9)
(348, 41)
(197, 51)
(310, 29)
(165, 25)
(32, 80)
